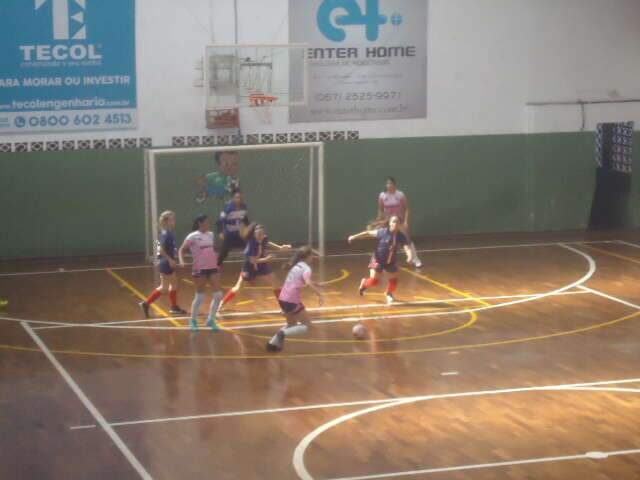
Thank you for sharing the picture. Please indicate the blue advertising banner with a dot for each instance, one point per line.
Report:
(67, 65)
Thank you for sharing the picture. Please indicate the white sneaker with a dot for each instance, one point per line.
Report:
(390, 299)
(417, 263)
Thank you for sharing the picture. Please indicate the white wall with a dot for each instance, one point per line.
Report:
(487, 60)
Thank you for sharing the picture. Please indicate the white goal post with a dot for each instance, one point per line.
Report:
(316, 194)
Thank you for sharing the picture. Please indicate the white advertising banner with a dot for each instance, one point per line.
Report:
(367, 59)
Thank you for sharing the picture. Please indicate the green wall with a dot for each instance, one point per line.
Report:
(71, 203)
(92, 202)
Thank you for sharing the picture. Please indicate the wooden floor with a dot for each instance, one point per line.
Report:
(509, 357)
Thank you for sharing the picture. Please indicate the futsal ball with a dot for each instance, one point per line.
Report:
(359, 331)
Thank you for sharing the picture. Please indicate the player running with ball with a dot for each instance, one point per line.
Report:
(385, 256)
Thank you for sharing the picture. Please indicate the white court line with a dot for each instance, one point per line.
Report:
(585, 456)
(436, 250)
(299, 408)
(483, 247)
(630, 244)
(320, 321)
(609, 297)
(450, 374)
(591, 270)
(223, 317)
(303, 473)
(88, 405)
(102, 269)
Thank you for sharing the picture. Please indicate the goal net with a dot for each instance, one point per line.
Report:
(282, 185)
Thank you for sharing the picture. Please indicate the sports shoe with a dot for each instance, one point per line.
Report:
(279, 342)
(213, 324)
(194, 325)
(417, 263)
(177, 310)
(145, 309)
(362, 288)
(390, 298)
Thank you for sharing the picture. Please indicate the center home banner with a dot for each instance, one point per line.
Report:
(367, 61)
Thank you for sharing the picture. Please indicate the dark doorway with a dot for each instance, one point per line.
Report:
(614, 142)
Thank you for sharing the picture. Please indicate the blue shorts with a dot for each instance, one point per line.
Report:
(249, 272)
(382, 267)
(165, 267)
(206, 273)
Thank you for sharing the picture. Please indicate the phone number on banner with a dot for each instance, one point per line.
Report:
(77, 120)
(357, 96)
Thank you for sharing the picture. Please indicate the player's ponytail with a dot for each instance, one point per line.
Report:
(301, 254)
(198, 221)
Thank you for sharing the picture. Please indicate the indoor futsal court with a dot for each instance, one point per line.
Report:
(319, 239)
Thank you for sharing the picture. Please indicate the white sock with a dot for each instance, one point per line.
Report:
(195, 306)
(414, 252)
(295, 331)
(215, 304)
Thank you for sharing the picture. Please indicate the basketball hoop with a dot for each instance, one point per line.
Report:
(261, 105)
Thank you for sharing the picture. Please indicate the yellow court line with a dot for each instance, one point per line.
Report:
(617, 255)
(138, 294)
(474, 317)
(467, 346)
(472, 320)
(245, 302)
(447, 287)
(344, 274)
(382, 313)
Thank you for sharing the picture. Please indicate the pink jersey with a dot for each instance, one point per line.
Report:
(393, 204)
(298, 277)
(202, 249)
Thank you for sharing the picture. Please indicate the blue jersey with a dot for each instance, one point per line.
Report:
(232, 217)
(167, 241)
(388, 243)
(256, 249)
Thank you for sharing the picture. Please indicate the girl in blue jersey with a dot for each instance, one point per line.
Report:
(384, 257)
(234, 218)
(166, 265)
(256, 263)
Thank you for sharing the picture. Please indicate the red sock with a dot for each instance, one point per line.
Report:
(392, 285)
(173, 297)
(229, 296)
(276, 292)
(370, 282)
(156, 294)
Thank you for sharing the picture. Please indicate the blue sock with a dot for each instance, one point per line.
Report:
(195, 309)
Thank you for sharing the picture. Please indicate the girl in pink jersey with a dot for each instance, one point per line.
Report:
(290, 299)
(394, 202)
(205, 268)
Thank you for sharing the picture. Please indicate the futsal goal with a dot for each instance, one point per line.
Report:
(282, 185)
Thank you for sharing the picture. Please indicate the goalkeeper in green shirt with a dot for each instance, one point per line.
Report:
(221, 183)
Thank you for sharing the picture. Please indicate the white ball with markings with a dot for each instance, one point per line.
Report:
(360, 331)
